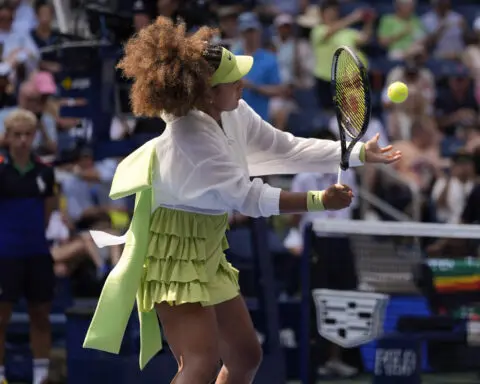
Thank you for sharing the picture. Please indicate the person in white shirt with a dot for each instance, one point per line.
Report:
(444, 29)
(450, 193)
(200, 169)
(334, 264)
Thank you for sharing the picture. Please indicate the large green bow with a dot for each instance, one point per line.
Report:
(133, 176)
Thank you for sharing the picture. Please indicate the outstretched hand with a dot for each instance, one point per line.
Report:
(337, 196)
(375, 154)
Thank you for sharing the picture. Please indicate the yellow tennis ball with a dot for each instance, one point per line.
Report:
(397, 92)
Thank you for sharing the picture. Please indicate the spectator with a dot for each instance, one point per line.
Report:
(328, 36)
(471, 213)
(471, 58)
(86, 189)
(401, 32)
(141, 15)
(21, 52)
(30, 98)
(420, 163)
(263, 81)
(7, 97)
(25, 19)
(444, 29)
(6, 22)
(296, 64)
(273, 8)
(68, 252)
(168, 8)
(472, 138)
(456, 107)
(228, 25)
(45, 36)
(26, 269)
(450, 192)
(334, 267)
(420, 101)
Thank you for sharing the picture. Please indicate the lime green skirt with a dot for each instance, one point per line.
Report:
(186, 262)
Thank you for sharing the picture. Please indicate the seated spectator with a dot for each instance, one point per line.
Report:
(21, 52)
(263, 81)
(472, 138)
(7, 96)
(471, 58)
(296, 64)
(451, 191)
(421, 97)
(328, 36)
(401, 33)
(30, 98)
(44, 36)
(228, 28)
(444, 29)
(420, 163)
(85, 188)
(456, 107)
(69, 251)
(6, 22)
(273, 8)
(25, 19)
(460, 247)
(142, 15)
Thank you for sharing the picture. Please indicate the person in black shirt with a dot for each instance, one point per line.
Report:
(27, 199)
(471, 213)
(456, 106)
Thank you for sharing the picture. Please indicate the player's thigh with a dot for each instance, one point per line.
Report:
(40, 280)
(239, 344)
(12, 279)
(190, 330)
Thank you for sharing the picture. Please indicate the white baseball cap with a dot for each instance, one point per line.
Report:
(283, 19)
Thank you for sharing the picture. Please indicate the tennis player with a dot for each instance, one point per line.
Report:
(185, 181)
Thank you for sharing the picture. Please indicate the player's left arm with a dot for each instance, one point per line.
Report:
(51, 194)
(271, 151)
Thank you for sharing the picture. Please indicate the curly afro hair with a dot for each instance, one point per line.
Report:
(170, 73)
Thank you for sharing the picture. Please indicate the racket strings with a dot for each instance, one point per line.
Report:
(350, 94)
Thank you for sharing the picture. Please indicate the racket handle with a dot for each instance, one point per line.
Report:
(339, 177)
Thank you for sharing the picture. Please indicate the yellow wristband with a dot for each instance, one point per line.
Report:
(362, 154)
(314, 201)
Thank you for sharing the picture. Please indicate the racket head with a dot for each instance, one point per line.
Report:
(351, 93)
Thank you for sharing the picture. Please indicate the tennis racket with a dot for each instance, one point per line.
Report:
(351, 97)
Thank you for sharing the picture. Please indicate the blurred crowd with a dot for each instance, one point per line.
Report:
(432, 46)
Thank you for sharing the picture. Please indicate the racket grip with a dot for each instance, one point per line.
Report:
(339, 176)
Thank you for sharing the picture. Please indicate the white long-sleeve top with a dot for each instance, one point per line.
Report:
(206, 169)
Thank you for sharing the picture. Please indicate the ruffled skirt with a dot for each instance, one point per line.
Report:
(186, 261)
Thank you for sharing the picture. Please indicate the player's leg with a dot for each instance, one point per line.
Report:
(11, 280)
(191, 332)
(39, 293)
(240, 350)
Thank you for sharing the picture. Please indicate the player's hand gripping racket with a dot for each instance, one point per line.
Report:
(351, 96)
